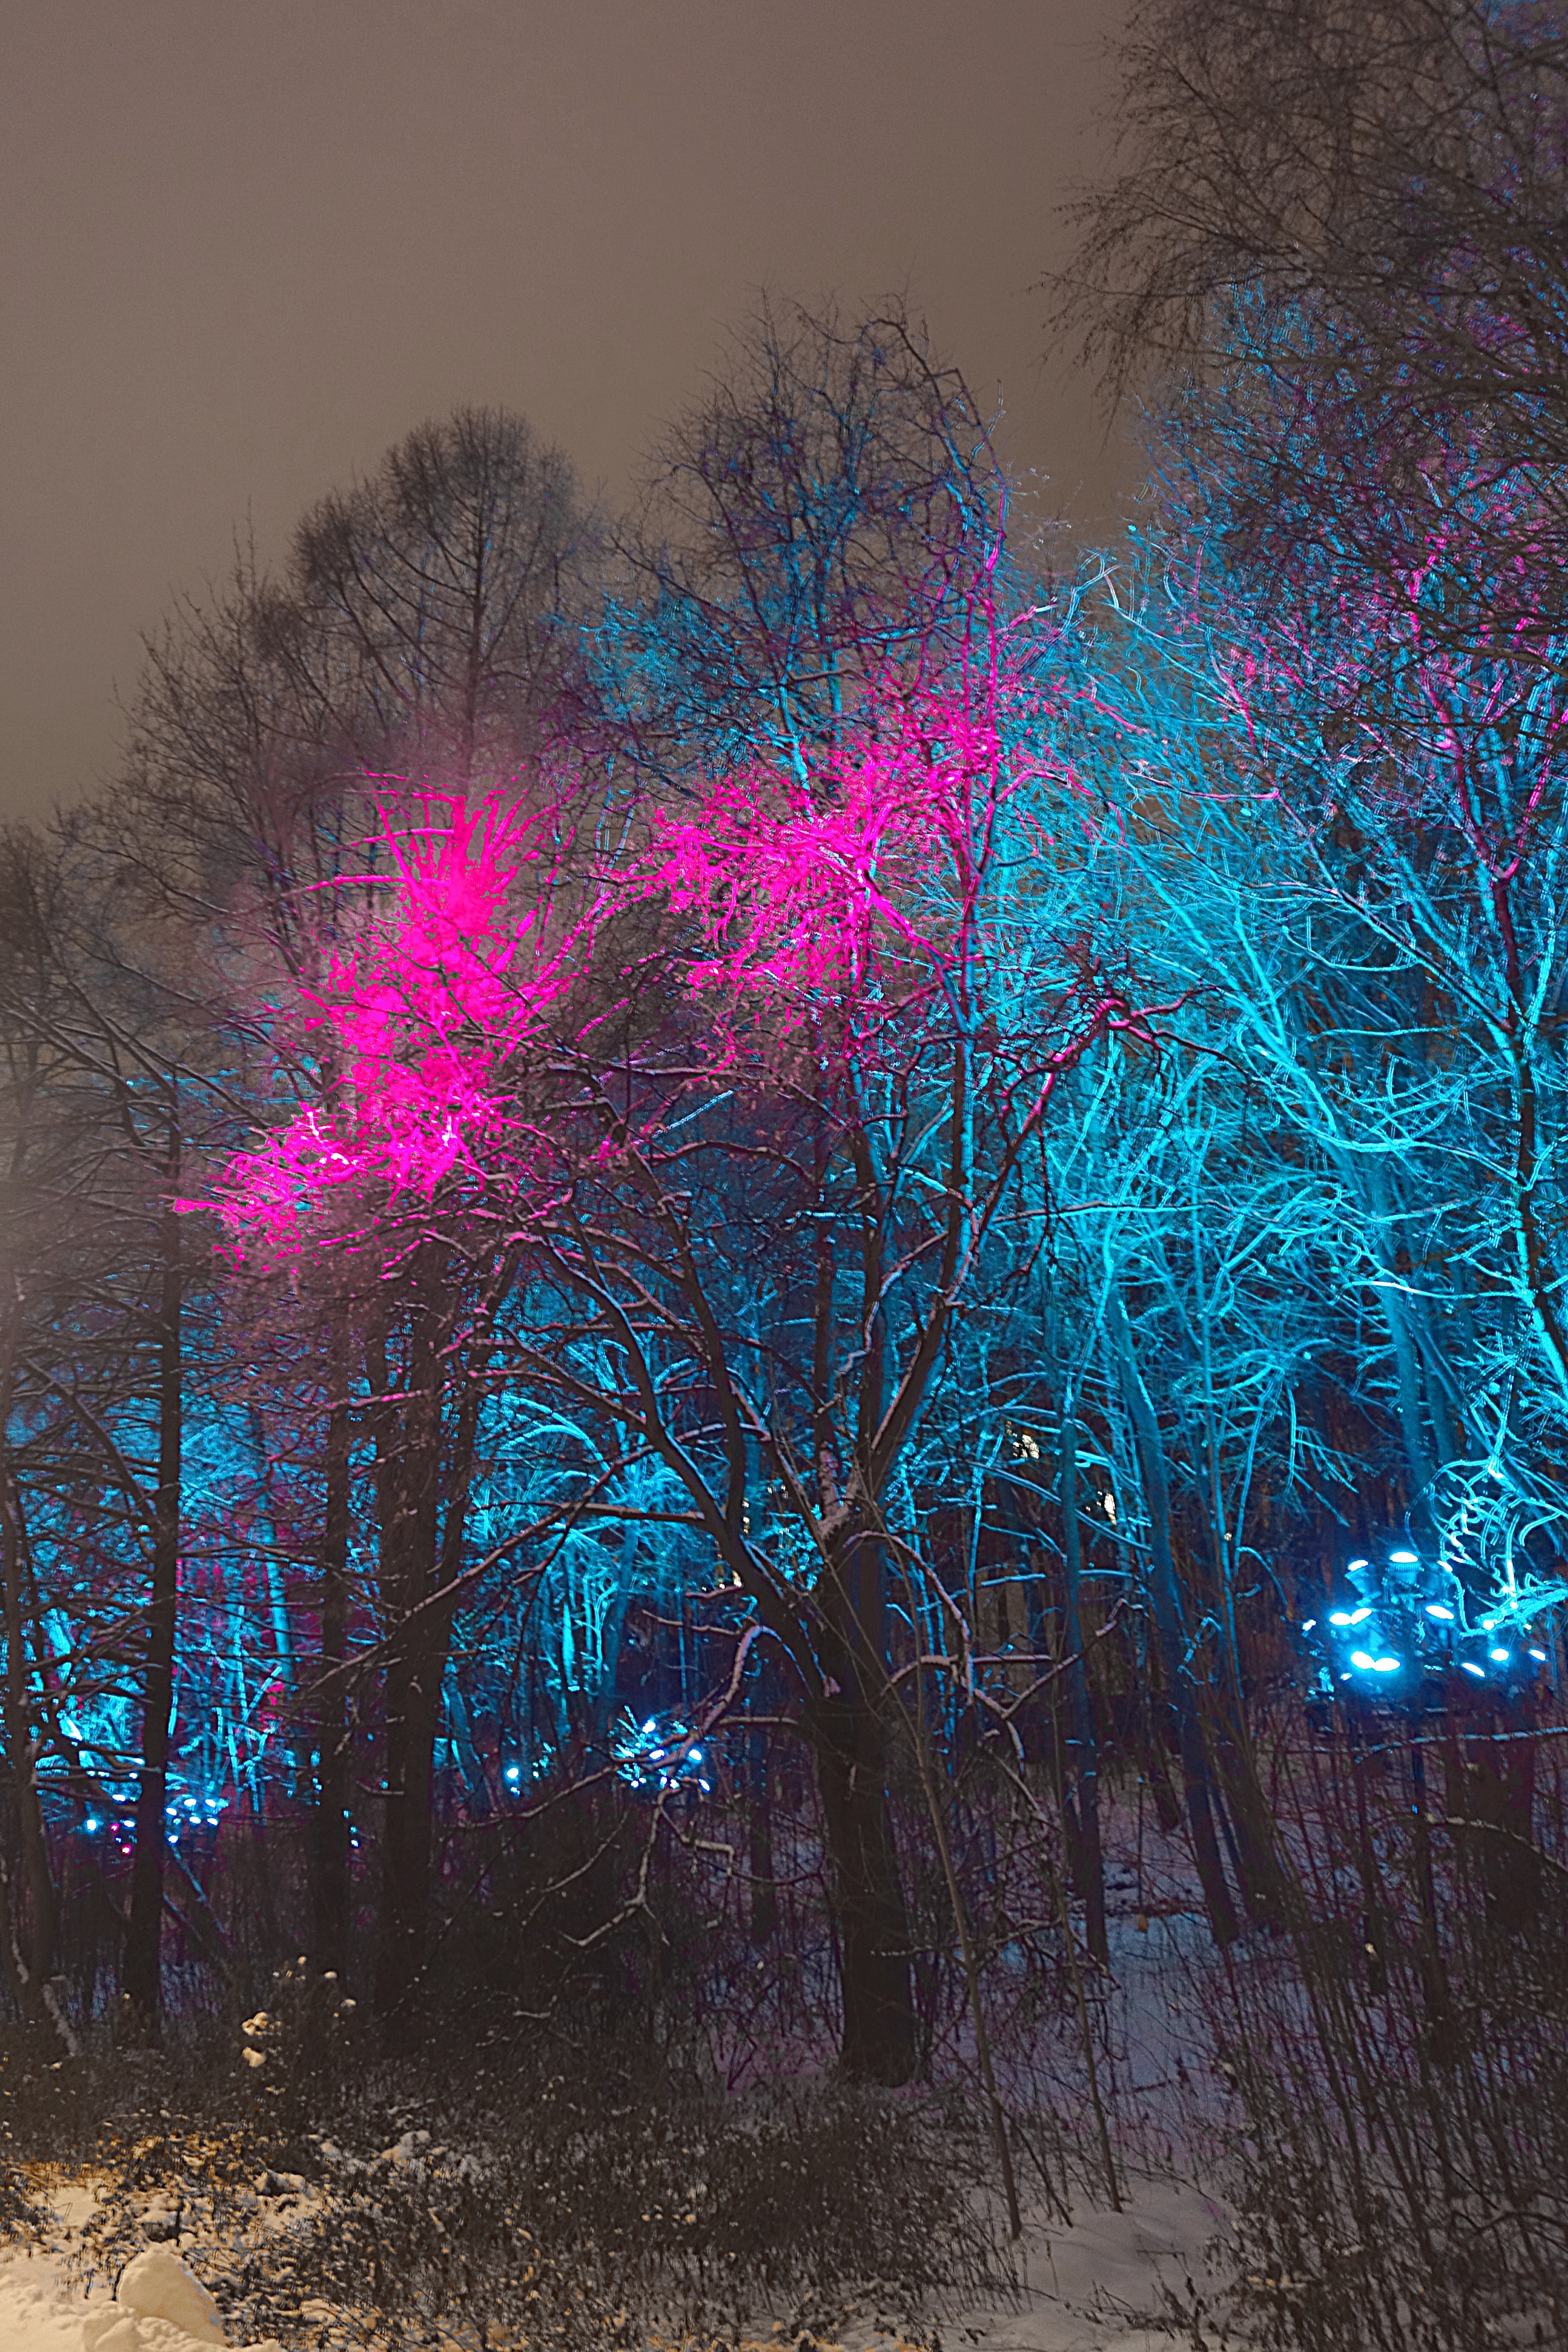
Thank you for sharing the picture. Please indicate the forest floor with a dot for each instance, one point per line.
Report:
(1106, 2283)
(1150, 2277)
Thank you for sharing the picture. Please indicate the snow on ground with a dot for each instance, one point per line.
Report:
(1088, 2288)
(1096, 2284)
(37, 2314)
(160, 2307)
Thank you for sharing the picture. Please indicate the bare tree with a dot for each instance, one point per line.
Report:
(423, 634)
(428, 613)
(1333, 237)
(817, 519)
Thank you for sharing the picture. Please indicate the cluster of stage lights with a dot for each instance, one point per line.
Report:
(661, 1755)
(1445, 1626)
(182, 1813)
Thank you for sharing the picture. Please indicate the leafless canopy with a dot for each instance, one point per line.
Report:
(817, 516)
(442, 581)
(1393, 172)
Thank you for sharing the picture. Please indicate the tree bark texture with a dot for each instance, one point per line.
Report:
(408, 1531)
(141, 1979)
(330, 1892)
(33, 1924)
(1084, 1756)
(426, 1486)
(849, 1740)
(1165, 1603)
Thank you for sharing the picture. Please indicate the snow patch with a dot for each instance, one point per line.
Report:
(161, 2306)
(1092, 2283)
(158, 2285)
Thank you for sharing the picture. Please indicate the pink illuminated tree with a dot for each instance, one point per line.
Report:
(874, 978)
(396, 1176)
(419, 1013)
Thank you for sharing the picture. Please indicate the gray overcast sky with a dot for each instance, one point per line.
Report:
(249, 243)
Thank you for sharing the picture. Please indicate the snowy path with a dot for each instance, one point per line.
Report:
(1090, 2284)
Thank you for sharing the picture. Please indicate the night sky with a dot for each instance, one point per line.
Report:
(248, 243)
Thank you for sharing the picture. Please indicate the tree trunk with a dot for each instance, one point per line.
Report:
(141, 1979)
(602, 1713)
(849, 1740)
(1084, 1751)
(428, 1556)
(1166, 1599)
(763, 1924)
(409, 1545)
(331, 1842)
(35, 1921)
(878, 2042)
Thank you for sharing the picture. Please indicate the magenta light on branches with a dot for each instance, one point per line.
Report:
(859, 887)
(417, 1018)
(833, 906)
